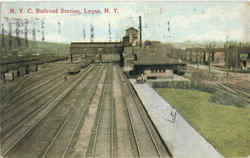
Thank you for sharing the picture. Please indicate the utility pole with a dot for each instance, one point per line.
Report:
(10, 32)
(84, 34)
(42, 30)
(140, 31)
(58, 33)
(18, 32)
(34, 30)
(26, 23)
(91, 33)
(109, 32)
(3, 37)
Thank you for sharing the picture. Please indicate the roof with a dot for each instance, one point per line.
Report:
(155, 60)
(132, 28)
(95, 43)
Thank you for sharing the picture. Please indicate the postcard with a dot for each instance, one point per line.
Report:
(125, 79)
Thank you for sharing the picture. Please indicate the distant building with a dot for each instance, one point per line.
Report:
(131, 37)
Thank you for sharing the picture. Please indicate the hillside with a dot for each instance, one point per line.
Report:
(34, 48)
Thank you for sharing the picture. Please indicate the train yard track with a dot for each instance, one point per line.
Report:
(144, 136)
(63, 139)
(13, 137)
(51, 119)
(27, 82)
(103, 139)
(14, 114)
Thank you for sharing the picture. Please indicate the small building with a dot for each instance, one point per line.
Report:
(244, 58)
(131, 37)
(157, 67)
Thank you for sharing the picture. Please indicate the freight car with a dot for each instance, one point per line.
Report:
(76, 68)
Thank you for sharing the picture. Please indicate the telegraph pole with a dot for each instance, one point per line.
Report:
(42, 29)
(26, 23)
(34, 30)
(18, 32)
(3, 39)
(84, 34)
(109, 32)
(59, 33)
(140, 31)
(91, 33)
(10, 32)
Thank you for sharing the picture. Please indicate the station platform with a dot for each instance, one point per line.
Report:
(182, 140)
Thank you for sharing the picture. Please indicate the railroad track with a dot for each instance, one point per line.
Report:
(103, 140)
(31, 92)
(238, 90)
(28, 83)
(158, 147)
(23, 129)
(37, 77)
(15, 115)
(71, 125)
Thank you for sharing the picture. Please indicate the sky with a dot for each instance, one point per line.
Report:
(167, 21)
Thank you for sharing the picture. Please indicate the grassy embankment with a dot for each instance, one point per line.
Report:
(227, 128)
(35, 52)
(34, 47)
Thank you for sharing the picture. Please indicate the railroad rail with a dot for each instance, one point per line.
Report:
(159, 146)
(103, 141)
(72, 121)
(10, 140)
(64, 114)
(30, 92)
(29, 82)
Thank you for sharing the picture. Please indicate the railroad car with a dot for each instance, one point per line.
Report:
(74, 68)
(84, 65)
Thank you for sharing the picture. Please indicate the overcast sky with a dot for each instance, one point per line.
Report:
(164, 21)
